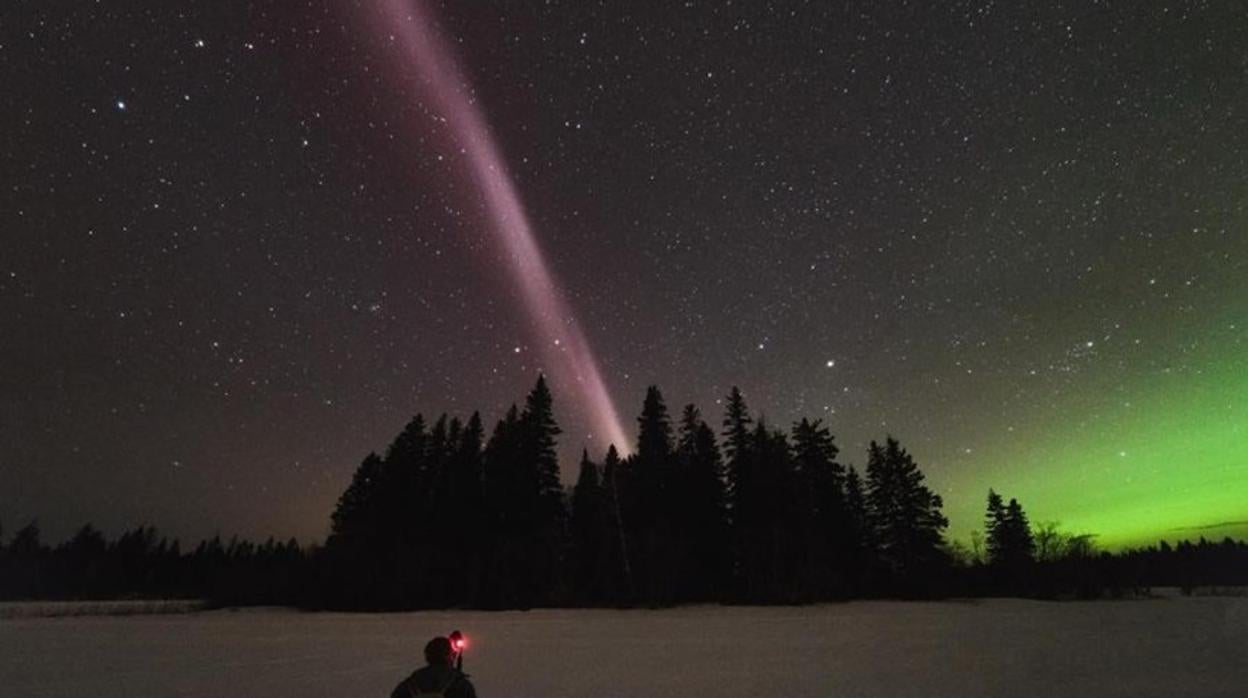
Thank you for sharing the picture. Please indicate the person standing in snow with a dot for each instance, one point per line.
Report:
(438, 678)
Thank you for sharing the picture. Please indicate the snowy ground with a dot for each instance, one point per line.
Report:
(1164, 647)
(52, 609)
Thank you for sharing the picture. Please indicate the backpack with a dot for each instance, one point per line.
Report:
(436, 693)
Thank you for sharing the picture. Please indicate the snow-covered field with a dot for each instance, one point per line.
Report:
(1163, 647)
(53, 609)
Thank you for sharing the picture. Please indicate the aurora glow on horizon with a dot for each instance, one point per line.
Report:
(564, 344)
(1166, 459)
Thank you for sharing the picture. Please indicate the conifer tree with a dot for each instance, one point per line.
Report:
(502, 487)
(651, 503)
(737, 469)
(736, 428)
(588, 532)
(1011, 547)
(539, 441)
(995, 535)
(26, 542)
(1020, 546)
(354, 550)
(618, 585)
(762, 520)
(398, 544)
(654, 433)
(438, 443)
(542, 520)
(906, 518)
(355, 514)
(861, 547)
(821, 494)
(700, 510)
(460, 504)
(1008, 533)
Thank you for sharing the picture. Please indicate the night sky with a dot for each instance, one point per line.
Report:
(241, 244)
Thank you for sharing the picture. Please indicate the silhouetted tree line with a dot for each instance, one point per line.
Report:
(740, 512)
(140, 564)
(446, 518)
(1018, 559)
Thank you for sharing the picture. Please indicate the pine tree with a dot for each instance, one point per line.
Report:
(1008, 533)
(651, 503)
(502, 486)
(906, 518)
(820, 499)
(619, 585)
(588, 532)
(700, 510)
(467, 481)
(1020, 544)
(995, 533)
(398, 542)
(26, 543)
(355, 551)
(654, 433)
(545, 520)
(540, 432)
(762, 520)
(355, 514)
(862, 546)
(736, 427)
(1011, 547)
(459, 504)
(738, 454)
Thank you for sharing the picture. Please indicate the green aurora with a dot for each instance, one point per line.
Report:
(1164, 458)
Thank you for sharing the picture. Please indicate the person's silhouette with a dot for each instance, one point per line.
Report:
(438, 678)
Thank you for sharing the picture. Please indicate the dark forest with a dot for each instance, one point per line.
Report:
(740, 512)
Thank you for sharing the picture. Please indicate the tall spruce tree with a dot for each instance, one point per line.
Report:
(1007, 532)
(469, 523)
(588, 533)
(701, 525)
(540, 432)
(651, 504)
(405, 515)
(763, 519)
(526, 536)
(1011, 547)
(1020, 543)
(821, 494)
(654, 432)
(502, 486)
(619, 586)
(375, 542)
(906, 518)
(738, 454)
(861, 546)
(545, 520)
(355, 514)
(736, 428)
(995, 536)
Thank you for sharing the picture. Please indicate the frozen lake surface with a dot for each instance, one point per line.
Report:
(1163, 647)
